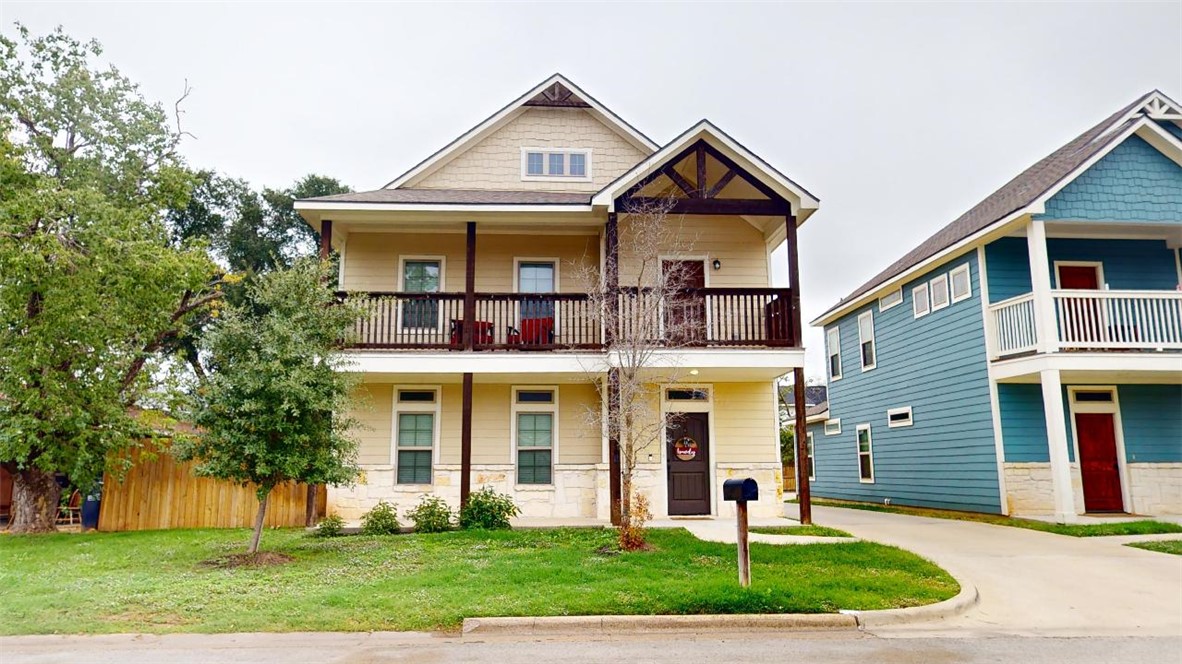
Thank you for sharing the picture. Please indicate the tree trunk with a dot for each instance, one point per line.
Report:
(258, 523)
(35, 496)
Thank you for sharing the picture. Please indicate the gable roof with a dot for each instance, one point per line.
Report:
(556, 91)
(804, 202)
(1026, 189)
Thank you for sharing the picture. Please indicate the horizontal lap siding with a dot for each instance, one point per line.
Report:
(737, 245)
(1023, 422)
(745, 423)
(936, 365)
(577, 257)
(1007, 260)
(1127, 264)
(374, 415)
(371, 259)
(1134, 182)
(581, 437)
(1151, 420)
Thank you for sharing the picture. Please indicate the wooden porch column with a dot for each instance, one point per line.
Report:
(611, 276)
(470, 288)
(800, 429)
(325, 239)
(613, 443)
(466, 442)
(611, 283)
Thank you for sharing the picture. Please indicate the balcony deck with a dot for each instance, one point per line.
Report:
(707, 318)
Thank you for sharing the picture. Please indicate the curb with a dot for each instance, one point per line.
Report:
(966, 599)
(614, 625)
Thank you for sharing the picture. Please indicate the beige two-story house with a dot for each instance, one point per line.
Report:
(487, 357)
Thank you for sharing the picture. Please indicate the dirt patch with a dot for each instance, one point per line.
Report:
(608, 550)
(260, 559)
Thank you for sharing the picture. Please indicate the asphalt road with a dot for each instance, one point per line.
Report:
(830, 648)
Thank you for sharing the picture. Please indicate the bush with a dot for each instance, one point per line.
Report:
(488, 510)
(330, 526)
(381, 520)
(431, 515)
(633, 536)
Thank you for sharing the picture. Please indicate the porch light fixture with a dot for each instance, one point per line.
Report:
(717, 264)
(693, 372)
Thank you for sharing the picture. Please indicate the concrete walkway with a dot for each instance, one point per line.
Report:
(1032, 583)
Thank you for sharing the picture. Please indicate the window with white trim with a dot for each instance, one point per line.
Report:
(921, 305)
(415, 422)
(962, 286)
(546, 164)
(865, 454)
(832, 427)
(535, 417)
(812, 467)
(421, 276)
(866, 340)
(899, 417)
(894, 298)
(833, 344)
(939, 287)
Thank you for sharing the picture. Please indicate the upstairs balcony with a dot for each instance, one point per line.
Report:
(1090, 320)
(694, 318)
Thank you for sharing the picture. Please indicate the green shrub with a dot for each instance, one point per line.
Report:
(488, 510)
(431, 515)
(330, 526)
(381, 520)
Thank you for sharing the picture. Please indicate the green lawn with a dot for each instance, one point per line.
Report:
(1143, 527)
(1163, 546)
(152, 581)
(800, 531)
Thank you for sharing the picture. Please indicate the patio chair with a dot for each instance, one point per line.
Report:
(71, 512)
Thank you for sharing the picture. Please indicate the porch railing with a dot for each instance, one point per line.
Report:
(1095, 319)
(1092, 320)
(702, 317)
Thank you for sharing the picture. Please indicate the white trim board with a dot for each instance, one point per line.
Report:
(1110, 408)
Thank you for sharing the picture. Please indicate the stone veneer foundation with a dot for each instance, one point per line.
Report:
(1154, 488)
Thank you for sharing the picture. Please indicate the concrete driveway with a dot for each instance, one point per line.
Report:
(1032, 583)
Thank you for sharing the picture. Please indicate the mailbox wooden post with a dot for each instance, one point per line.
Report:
(739, 492)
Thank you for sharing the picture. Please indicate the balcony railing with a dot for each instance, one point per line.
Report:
(702, 317)
(1092, 320)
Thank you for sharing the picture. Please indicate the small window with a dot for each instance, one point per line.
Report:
(812, 468)
(899, 417)
(833, 344)
(832, 427)
(939, 287)
(866, 340)
(557, 159)
(535, 396)
(416, 439)
(544, 164)
(535, 447)
(682, 394)
(890, 299)
(1096, 396)
(416, 396)
(920, 304)
(533, 164)
(962, 287)
(578, 164)
(865, 454)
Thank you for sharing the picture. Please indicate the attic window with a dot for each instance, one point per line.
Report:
(552, 164)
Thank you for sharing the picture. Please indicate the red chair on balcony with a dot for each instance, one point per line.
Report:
(533, 332)
(482, 333)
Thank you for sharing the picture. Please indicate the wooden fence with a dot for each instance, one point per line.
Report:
(161, 492)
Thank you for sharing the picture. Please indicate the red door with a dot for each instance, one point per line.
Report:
(1083, 319)
(1079, 277)
(686, 314)
(1097, 462)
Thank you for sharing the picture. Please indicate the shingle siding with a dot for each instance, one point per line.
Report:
(936, 365)
(1134, 182)
(1128, 264)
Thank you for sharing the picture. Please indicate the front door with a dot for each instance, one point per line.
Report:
(1079, 277)
(687, 454)
(1098, 462)
(685, 320)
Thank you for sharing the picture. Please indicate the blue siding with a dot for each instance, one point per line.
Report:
(1134, 182)
(936, 365)
(1128, 264)
(1023, 423)
(1171, 128)
(1151, 420)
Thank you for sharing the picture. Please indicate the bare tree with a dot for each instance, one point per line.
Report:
(646, 313)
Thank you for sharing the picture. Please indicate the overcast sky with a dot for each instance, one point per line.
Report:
(898, 116)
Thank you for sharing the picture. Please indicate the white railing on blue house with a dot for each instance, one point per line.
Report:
(1013, 325)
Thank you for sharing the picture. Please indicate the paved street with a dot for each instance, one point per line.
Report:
(830, 648)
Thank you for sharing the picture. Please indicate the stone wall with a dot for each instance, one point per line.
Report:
(1156, 488)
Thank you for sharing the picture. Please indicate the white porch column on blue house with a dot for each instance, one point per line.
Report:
(1045, 326)
(1052, 405)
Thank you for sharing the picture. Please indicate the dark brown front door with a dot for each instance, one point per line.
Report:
(687, 451)
(685, 319)
(1097, 462)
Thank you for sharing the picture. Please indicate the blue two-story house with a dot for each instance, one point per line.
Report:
(1027, 358)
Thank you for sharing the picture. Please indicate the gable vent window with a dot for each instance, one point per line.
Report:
(899, 417)
(551, 164)
(832, 427)
(921, 305)
(939, 287)
(890, 300)
(962, 288)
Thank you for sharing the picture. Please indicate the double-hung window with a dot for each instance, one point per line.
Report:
(421, 276)
(536, 277)
(866, 340)
(811, 467)
(865, 454)
(535, 429)
(833, 345)
(416, 419)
